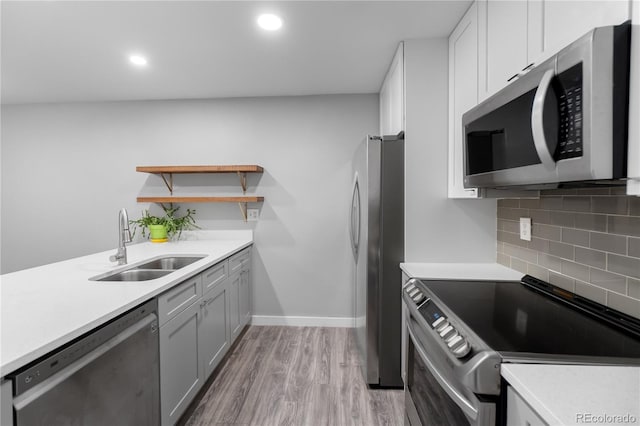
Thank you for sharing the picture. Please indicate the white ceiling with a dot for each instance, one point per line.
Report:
(69, 51)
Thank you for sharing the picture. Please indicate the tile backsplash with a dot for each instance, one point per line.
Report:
(584, 240)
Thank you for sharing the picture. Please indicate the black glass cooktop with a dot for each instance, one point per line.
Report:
(512, 317)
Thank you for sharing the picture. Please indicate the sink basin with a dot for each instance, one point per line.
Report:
(150, 270)
(169, 262)
(136, 275)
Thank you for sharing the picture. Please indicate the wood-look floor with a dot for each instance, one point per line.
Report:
(295, 376)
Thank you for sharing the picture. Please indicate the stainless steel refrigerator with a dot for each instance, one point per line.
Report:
(377, 240)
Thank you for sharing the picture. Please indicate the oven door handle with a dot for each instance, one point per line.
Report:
(465, 405)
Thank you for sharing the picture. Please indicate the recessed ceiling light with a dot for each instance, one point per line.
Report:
(269, 22)
(138, 60)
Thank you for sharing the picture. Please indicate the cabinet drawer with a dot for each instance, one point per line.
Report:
(519, 412)
(235, 261)
(179, 298)
(214, 276)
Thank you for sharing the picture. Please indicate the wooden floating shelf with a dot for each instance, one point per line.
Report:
(167, 172)
(200, 199)
(201, 169)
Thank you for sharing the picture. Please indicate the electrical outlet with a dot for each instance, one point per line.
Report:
(252, 215)
(525, 228)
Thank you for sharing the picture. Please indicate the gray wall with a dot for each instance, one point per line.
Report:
(586, 241)
(68, 168)
(438, 229)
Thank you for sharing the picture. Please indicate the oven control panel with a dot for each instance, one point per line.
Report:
(414, 293)
(438, 321)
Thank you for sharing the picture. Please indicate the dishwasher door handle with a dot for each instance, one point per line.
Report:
(22, 401)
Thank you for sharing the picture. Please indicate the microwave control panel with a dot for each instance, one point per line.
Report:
(568, 87)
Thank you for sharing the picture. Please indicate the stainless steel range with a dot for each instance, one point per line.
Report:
(461, 332)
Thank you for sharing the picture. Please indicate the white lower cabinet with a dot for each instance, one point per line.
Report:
(6, 402)
(519, 413)
(180, 364)
(194, 340)
(403, 338)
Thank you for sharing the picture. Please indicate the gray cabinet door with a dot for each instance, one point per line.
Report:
(180, 365)
(214, 276)
(245, 293)
(235, 322)
(214, 330)
(175, 300)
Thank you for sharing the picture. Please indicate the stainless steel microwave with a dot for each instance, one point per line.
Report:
(563, 122)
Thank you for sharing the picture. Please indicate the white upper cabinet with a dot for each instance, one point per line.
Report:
(554, 24)
(633, 167)
(502, 32)
(496, 41)
(392, 96)
(463, 95)
(514, 34)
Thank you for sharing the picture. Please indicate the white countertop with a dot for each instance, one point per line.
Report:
(559, 394)
(461, 271)
(45, 307)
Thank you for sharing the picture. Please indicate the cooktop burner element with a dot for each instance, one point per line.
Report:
(535, 319)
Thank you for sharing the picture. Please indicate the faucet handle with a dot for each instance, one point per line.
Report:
(113, 258)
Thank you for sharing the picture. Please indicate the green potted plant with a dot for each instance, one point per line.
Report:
(161, 228)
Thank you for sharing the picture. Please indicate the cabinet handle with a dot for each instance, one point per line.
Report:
(203, 303)
(512, 77)
(528, 66)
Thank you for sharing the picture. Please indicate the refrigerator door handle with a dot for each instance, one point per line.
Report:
(354, 224)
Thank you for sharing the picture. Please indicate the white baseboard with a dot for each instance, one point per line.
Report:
(302, 321)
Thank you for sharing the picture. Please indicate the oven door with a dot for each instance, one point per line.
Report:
(432, 396)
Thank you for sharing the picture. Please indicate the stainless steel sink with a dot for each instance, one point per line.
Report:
(150, 270)
(136, 275)
(172, 262)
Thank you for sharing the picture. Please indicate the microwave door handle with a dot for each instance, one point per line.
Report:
(465, 405)
(537, 124)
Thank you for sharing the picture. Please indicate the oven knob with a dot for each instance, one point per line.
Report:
(413, 292)
(437, 322)
(410, 287)
(447, 332)
(442, 325)
(454, 341)
(419, 298)
(452, 336)
(462, 350)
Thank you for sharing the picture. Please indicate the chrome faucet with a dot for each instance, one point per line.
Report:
(124, 236)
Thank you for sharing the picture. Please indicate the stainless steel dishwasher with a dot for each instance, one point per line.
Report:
(108, 377)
